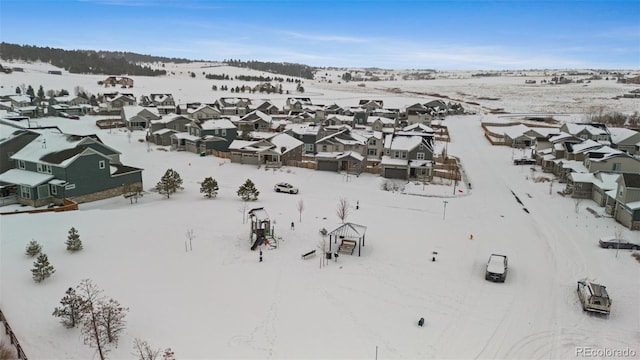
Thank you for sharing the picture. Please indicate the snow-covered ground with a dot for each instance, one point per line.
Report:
(219, 301)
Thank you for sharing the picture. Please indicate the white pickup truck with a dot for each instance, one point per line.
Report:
(594, 297)
(496, 268)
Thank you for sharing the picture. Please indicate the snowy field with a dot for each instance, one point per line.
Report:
(219, 301)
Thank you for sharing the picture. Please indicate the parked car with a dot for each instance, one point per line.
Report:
(285, 187)
(594, 297)
(611, 242)
(497, 268)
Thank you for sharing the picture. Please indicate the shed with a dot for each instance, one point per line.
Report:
(348, 231)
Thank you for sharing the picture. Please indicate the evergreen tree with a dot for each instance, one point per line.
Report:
(30, 91)
(209, 187)
(70, 313)
(169, 183)
(18, 91)
(33, 248)
(248, 191)
(73, 240)
(41, 268)
(40, 92)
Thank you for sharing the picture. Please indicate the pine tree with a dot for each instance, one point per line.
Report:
(40, 92)
(18, 91)
(30, 91)
(41, 268)
(70, 313)
(73, 240)
(209, 187)
(169, 183)
(248, 191)
(33, 248)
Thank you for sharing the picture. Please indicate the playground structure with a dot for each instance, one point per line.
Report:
(262, 233)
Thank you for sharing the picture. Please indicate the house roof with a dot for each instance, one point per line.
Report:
(349, 230)
(405, 143)
(24, 177)
(631, 180)
(56, 148)
(217, 124)
(619, 135)
(285, 143)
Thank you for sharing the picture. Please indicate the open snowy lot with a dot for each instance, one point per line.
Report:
(219, 301)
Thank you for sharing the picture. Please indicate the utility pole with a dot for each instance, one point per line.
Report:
(444, 211)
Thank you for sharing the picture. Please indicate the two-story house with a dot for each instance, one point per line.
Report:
(160, 130)
(138, 117)
(407, 157)
(55, 166)
(209, 136)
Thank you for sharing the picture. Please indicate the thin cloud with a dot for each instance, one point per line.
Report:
(325, 38)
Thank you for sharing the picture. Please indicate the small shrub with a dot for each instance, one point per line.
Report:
(33, 248)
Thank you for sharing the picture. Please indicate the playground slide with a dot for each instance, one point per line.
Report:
(257, 243)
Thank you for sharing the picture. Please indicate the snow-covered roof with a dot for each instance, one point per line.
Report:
(133, 110)
(586, 146)
(576, 128)
(405, 143)
(51, 145)
(217, 124)
(349, 230)
(24, 177)
(387, 160)
(286, 142)
(621, 134)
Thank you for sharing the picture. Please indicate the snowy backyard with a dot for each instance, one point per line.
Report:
(211, 297)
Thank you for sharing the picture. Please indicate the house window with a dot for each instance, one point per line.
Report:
(404, 154)
(396, 154)
(25, 192)
(215, 131)
(224, 132)
(372, 142)
(308, 147)
(21, 164)
(54, 189)
(44, 168)
(616, 167)
(420, 156)
(102, 164)
(372, 152)
(324, 147)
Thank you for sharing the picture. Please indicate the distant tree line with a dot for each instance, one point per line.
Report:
(77, 61)
(290, 69)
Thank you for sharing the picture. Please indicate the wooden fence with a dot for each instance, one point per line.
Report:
(12, 337)
(67, 206)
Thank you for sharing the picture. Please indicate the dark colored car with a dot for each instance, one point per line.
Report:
(611, 242)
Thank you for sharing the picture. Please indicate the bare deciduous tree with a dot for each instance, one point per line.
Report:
(93, 333)
(343, 209)
(144, 351)
(300, 209)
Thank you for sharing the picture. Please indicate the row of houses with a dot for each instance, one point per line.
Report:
(594, 162)
(332, 138)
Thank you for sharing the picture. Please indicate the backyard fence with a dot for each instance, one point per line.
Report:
(12, 337)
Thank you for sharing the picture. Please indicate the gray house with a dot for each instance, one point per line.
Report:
(407, 157)
(55, 166)
(627, 208)
(212, 135)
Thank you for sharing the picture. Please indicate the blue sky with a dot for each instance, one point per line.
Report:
(400, 34)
